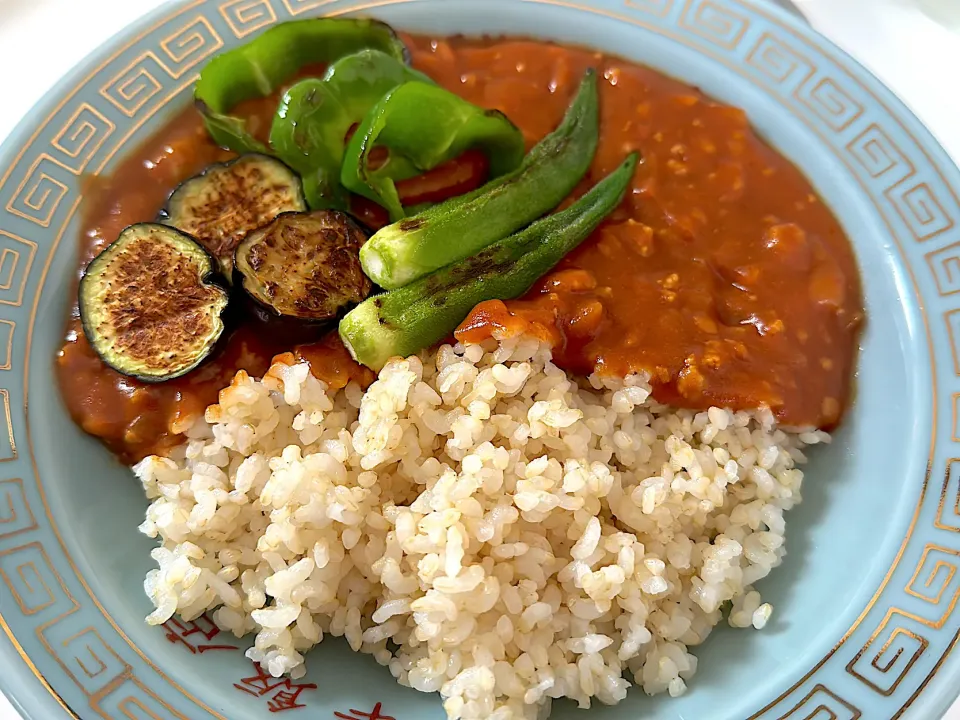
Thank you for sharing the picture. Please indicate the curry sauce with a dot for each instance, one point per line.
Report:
(722, 274)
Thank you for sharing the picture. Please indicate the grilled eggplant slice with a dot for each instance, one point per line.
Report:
(227, 201)
(150, 304)
(304, 266)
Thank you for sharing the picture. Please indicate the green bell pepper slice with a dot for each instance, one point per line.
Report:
(309, 131)
(424, 125)
(262, 65)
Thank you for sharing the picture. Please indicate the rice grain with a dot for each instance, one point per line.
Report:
(482, 523)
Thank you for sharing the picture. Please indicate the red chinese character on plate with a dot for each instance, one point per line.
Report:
(263, 684)
(199, 630)
(287, 699)
(359, 715)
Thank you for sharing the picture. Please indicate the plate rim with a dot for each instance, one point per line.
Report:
(64, 89)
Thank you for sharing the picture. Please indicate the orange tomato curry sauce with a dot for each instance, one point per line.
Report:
(722, 274)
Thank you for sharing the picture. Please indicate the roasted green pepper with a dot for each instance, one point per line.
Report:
(457, 228)
(408, 319)
(310, 127)
(264, 64)
(424, 125)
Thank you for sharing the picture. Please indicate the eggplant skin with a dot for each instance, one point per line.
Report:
(304, 266)
(151, 303)
(227, 201)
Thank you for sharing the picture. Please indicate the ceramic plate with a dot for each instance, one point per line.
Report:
(866, 599)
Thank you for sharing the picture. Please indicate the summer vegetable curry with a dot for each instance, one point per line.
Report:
(721, 273)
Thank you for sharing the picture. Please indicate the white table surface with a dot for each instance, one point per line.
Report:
(912, 45)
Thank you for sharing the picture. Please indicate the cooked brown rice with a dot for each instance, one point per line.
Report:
(516, 535)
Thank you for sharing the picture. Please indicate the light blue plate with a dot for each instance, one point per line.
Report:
(866, 599)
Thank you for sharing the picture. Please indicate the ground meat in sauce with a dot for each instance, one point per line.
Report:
(722, 274)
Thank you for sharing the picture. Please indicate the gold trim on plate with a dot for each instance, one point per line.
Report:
(917, 207)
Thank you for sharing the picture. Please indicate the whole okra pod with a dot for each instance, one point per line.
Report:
(455, 229)
(408, 319)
